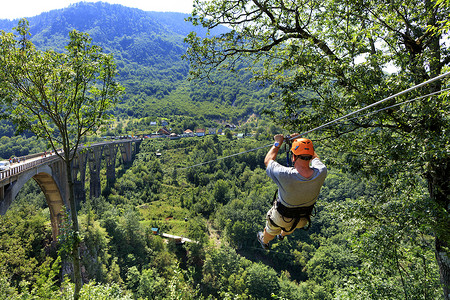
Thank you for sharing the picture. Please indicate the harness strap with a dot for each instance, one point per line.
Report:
(295, 213)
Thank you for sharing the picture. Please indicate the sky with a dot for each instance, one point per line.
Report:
(13, 9)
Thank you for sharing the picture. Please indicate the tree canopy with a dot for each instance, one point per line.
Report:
(330, 58)
(60, 97)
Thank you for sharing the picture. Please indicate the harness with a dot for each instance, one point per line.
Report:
(295, 213)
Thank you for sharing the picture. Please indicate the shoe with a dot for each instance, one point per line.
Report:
(280, 237)
(260, 236)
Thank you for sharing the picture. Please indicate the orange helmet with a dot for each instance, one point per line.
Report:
(302, 146)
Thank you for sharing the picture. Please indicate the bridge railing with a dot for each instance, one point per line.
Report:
(44, 158)
(21, 167)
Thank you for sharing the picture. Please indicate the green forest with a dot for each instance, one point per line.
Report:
(367, 82)
(221, 206)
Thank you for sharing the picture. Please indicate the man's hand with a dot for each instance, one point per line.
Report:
(272, 154)
(279, 138)
(295, 136)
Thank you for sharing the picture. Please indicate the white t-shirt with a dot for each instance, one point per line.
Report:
(294, 190)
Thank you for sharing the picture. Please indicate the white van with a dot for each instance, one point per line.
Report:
(4, 165)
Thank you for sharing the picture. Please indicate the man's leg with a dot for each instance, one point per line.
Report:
(267, 237)
(264, 237)
(302, 223)
(284, 233)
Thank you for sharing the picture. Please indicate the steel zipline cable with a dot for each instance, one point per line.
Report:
(346, 116)
(398, 104)
(220, 158)
(376, 103)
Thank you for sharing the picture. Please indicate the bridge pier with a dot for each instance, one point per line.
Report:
(2, 192)
(79, 182)
(95, 161)
(126, 150)
(110, 155)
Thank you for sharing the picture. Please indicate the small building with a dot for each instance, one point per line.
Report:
(155, 230)
(211, 130)
(200, 132)
(189, 132)
(164, 123)
(153, 123)
(163, 131)
(230, 126)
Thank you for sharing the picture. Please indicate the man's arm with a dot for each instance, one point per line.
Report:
(273, 152)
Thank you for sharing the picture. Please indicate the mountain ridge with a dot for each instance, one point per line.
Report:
(148, 49)
(170, 20)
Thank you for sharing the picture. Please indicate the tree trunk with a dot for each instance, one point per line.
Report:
(439, 170)
(76, 241)
(443, 261)
(439, 188)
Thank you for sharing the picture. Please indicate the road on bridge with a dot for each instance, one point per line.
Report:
(32, 160)
(27, 162)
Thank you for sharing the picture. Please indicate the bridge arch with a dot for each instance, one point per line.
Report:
(51, 187)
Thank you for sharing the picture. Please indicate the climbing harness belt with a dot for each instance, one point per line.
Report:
(295, 213)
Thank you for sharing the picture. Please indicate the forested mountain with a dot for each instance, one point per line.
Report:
(148, 49)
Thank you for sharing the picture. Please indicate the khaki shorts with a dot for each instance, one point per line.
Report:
(281, 221)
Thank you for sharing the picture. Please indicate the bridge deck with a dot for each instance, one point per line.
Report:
(34, 160)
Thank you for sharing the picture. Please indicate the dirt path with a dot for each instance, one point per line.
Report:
(213, 234)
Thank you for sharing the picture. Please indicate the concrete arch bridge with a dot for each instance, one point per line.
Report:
(49, 172)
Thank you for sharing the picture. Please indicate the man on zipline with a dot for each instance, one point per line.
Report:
(298, 189)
